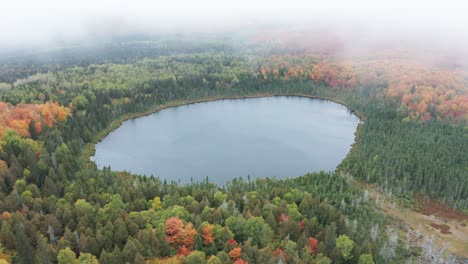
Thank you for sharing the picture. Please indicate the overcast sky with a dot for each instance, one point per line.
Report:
(33, 22)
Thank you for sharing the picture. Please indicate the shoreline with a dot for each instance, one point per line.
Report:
(90, 148)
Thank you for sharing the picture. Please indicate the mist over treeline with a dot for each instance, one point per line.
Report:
(428, 31)
(352, 26)
(344, 41)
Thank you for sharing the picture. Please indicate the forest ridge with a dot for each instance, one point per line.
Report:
(57, 204)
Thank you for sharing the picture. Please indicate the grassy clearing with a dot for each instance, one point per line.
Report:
(445, 224)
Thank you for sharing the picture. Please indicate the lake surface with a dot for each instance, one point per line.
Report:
(279, 137)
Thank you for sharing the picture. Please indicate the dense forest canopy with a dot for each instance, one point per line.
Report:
(56, 206)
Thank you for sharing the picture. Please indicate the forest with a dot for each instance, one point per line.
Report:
(57, 207)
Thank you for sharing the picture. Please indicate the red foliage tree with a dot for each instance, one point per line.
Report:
(301, 225)
(240, 261)
(184, 251)
(313, 245)
(283, 218)
(38, 127)
(280, 252)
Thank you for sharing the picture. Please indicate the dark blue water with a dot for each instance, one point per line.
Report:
(261, 137)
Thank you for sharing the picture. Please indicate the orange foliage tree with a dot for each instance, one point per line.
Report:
(6, 215)
(174, 227)
(19, 117)
(235, 253)
(180, 235)
(207, 234)
(424, 89)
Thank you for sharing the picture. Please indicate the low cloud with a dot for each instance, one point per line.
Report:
(360, 25)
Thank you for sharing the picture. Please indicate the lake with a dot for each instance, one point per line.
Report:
(280, 136)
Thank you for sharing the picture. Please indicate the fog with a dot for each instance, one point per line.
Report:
(440, 26)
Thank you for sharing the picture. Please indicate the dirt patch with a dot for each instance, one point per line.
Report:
(431, 207)
(444, 229)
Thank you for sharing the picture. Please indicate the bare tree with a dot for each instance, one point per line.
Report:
(431, 254)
